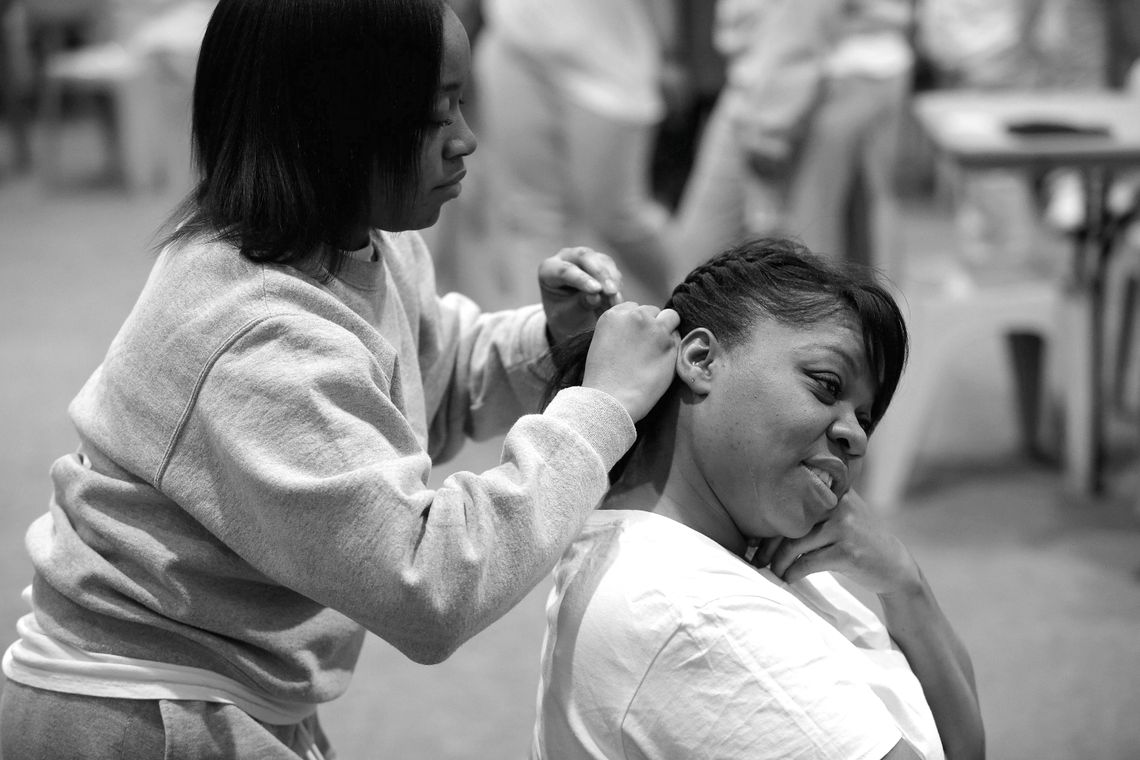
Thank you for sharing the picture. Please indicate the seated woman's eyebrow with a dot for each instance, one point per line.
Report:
(841, 354)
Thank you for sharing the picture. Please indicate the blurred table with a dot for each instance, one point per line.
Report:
(972, 130)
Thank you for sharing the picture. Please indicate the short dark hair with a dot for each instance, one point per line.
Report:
(779, 279)
(296, 103)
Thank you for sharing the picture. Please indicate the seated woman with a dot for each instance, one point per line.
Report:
(696, 615)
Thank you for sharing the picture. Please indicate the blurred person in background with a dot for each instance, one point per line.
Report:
(571, 93)
(1122, 19)
(803, 138)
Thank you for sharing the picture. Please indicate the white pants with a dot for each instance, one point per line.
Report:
(558, 174)
(847, 154)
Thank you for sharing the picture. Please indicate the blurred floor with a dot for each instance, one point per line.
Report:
(1044, 589)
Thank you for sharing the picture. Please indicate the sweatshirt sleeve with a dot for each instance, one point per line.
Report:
(487, 371)
(296, 456)
(480, 370)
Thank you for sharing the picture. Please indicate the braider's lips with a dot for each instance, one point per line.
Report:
(455, 179)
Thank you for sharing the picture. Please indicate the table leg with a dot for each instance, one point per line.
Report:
(1083, 315)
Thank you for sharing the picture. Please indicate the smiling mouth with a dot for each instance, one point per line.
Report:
(822, 476)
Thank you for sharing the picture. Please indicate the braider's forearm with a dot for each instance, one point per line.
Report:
(942, 665)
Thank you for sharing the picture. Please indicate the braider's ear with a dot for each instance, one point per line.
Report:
(695, 359)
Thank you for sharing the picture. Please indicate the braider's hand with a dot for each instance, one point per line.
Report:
(577, 285)
(633, 355)
(851, 541)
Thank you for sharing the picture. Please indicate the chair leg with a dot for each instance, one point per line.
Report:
(1125, 341)
(51, 117)
(1026, 352)
(1081, 402)
(1130, 371)
(16, 81)
(134, 109)
(896, 443)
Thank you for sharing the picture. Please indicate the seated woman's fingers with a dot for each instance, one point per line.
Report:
(791, 549)
(811, 562)
(766, 550)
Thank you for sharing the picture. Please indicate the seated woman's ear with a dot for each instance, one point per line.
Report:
(695, 357)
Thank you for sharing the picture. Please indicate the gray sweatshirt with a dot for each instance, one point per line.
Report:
(249, 492)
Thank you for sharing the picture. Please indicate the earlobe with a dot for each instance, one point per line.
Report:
(695, 360)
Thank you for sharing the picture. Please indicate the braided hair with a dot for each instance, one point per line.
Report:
(779, 279)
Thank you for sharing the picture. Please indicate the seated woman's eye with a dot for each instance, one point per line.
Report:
(830, 385)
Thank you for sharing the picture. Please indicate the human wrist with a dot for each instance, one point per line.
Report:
(907, 584)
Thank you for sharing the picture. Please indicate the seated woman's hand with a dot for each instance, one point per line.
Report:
(851, 541)
(633, 355)
(577, 285)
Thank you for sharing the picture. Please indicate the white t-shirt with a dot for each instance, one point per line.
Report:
(662, 644)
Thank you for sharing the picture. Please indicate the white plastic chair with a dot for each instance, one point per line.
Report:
(127, 71)
(943, 326)
(122, 75)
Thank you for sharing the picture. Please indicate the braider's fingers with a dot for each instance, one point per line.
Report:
(560, 273)
(669, 319)
(600, 271)
(602, 268)
(620, 309)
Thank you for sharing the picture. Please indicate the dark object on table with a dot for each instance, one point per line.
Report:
(1049, 127)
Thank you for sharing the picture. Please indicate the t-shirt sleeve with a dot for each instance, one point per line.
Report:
(751, 677)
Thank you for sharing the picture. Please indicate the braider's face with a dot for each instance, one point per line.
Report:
(448, 140)
(781, 432)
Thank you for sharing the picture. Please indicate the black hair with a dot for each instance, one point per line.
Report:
(779, 279)
(296, 103)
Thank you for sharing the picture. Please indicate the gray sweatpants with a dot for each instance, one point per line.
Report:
(47, 725)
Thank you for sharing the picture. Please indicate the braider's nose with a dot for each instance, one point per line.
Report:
(462, 143)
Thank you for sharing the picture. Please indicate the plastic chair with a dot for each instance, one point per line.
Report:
(943, 325)
(152, 47)
(123, 76)
(31, 30)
